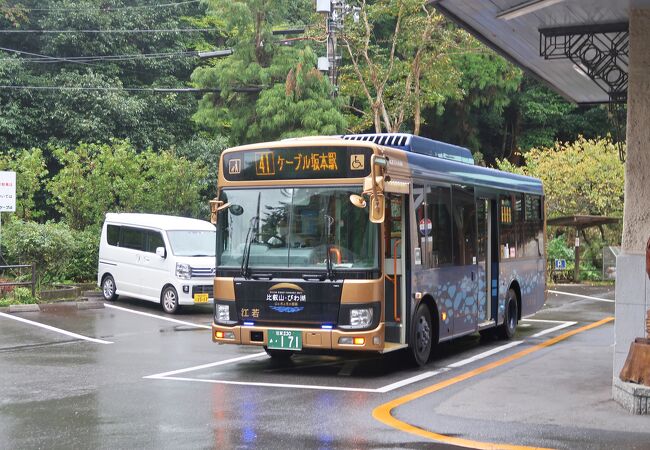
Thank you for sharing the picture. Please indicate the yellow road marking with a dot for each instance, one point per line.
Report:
(382, 413)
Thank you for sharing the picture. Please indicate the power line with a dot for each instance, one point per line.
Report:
(164, 30)
(45, 59)
(113, 8)
(250, 89)
(41, 56)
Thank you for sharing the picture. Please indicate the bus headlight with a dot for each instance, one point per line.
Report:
(183, 271)
(360, 318)
(223, 313)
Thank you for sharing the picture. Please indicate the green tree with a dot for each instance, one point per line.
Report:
(97, 178)
(478, 120)
(31, 171)
(398, 63)
(34, 118)
(292, 99)
(582, 177)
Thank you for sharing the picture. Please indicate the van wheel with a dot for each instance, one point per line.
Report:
(421, 335)
(108, 288)
(507, 330)
(169, 300)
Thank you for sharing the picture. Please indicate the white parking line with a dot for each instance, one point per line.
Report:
(550, 330)
(380, 390)
(57, 330)
(485, 354)
(415, 379)
(292, 386)
(205, 366)
(182, 322)
(545, 321)
(598, 299)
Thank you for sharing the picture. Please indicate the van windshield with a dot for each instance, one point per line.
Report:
(192, 242)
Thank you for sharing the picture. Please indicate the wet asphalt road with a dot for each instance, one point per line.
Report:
(162, 384)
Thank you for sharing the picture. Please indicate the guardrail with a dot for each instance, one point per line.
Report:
(31, 283)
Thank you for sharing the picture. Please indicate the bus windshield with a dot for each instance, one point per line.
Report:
(296, 228)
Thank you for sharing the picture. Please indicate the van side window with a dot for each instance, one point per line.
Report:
(132, 238)
(113, 234)
(154, 240)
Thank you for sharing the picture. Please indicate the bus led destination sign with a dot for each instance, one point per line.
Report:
(297, 163)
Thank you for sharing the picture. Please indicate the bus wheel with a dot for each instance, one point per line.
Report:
(108, 288)
(421, 335)
(169, 300)
(507, 330)
(279, 355)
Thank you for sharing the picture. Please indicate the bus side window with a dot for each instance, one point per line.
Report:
(419, 205)
(393, 225)
(464, 209)
(439, 213)
(507, 247)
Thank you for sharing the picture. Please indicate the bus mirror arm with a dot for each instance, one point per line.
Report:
(215, 207)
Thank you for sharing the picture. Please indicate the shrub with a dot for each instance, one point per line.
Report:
(49, 246)
(82, 265)
(19, 296)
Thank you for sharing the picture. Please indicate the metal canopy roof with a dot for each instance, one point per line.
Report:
(512, 28)
(581, 221)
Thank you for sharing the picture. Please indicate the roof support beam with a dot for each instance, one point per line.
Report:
(525, 8)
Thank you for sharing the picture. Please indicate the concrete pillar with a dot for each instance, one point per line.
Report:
(632, 284)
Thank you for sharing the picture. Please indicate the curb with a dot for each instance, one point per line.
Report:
(23, 308)
(55, 307)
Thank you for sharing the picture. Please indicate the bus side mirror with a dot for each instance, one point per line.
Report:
(377, 208)
(160, 251)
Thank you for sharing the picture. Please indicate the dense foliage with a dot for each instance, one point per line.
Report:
(266, 90)
(35, 117)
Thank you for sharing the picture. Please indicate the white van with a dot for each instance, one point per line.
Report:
(164, 259)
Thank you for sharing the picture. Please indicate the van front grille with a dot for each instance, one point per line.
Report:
(203, 272)
(203, 289)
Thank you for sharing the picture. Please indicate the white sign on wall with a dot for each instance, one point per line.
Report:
(7, 191)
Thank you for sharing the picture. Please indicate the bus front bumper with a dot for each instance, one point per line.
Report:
(312, 338)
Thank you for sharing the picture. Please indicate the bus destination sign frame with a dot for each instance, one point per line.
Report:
(294, 163)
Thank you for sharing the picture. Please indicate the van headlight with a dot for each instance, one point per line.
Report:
(183, 271)
(360, 317)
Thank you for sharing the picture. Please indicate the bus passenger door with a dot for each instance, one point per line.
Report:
(394, 268)
(486, 210)
(484, 267)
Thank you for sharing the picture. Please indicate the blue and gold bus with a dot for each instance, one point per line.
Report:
(371, 243)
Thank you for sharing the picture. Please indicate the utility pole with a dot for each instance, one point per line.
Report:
(335, 12)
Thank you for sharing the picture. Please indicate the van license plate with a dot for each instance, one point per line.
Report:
(201, 298)
(285, 340)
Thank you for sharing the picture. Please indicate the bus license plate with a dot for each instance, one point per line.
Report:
(201, 298)
(285, 340)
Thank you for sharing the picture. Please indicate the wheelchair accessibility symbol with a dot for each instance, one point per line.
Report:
(357, 162)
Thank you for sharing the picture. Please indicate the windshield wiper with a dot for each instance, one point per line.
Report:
(249, 238)
(330, 270)
(247, 246)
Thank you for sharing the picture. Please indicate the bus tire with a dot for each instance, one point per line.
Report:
(509, 327)
(108, 288)
(278, 355)
(421, 335)
(169, 300)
